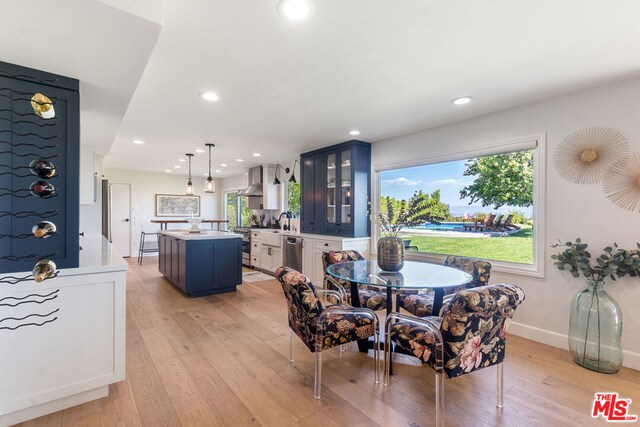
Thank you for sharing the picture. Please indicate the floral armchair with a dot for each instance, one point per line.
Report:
(321, 327)
(371, 299)
(470, 335)
(421, 305)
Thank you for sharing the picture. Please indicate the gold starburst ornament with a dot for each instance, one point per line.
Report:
(587, 155)
(622, 186)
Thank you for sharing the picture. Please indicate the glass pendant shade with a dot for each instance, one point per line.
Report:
(209, 185)
(189, 183)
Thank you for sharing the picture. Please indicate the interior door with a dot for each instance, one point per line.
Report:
(120, 198)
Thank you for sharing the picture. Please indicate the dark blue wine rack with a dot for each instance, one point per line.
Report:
(24, 137)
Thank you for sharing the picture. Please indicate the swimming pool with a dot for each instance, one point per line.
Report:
(444, 226)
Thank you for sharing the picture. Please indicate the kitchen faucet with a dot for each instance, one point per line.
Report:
(287, 215)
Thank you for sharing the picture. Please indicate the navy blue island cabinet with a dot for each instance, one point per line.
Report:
(336, 188)
(203, 263)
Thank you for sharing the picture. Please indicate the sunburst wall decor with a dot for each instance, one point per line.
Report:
(587, 155)
(622, 185)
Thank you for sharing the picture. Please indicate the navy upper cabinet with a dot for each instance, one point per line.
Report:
(39, 168)
(336, 190)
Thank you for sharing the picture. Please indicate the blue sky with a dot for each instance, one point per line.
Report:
(448, 177)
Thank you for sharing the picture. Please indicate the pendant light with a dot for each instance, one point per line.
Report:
(292, 178)
(189, 183)
(209, 185)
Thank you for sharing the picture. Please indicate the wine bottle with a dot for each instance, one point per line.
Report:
(42, 168)
(44, 229)
(42, 106)
(43, 189)
(43, 270)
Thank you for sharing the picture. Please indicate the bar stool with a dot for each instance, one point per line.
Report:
(147, 246)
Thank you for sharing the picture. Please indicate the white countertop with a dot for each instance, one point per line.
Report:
(306, 235)
(97, 256)
(203, 235)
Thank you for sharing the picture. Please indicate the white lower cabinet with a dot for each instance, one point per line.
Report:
(270, 258)
(65, 346)
(315, 246)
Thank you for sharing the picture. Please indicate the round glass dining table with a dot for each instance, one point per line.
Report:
(413, 276)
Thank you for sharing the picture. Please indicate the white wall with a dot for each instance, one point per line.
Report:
(147, 185)
(572, 210)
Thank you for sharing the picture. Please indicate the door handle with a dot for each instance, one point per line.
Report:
(126, 220)
(269, 251)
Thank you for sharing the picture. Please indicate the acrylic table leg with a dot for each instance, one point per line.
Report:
(363, 345)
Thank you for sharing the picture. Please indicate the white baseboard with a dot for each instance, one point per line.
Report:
(53, 406)
(631, 359)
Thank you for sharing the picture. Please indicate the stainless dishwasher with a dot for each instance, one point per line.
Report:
(292, 252)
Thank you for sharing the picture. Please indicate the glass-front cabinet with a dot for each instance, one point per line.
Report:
(332, 189)
(336, 190)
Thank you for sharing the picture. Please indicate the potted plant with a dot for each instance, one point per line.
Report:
(398, 214)
(595, 322)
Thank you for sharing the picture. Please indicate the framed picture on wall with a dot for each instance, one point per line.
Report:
(177, 205)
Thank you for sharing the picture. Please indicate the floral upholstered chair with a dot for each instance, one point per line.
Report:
(421, 305)
(371, 299)
(470, 335)
(321, 327)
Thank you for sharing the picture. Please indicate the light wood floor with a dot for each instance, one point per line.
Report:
(222, 360)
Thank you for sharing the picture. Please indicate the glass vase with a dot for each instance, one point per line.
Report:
(595, 329)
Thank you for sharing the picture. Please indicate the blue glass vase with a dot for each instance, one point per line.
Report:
(595, 329)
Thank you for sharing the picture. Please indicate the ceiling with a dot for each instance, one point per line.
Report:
(385, 68)
(87, 40)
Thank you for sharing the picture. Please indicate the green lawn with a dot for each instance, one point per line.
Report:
(517, 247)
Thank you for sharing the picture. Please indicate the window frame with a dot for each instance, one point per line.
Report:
(226, 207)
(536, 142)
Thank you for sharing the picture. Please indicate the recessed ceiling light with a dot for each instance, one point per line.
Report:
(167, 170)
(181, 160)
(199, 150)
(138, 141)
(354, 132)
(239, 160)
(295, 9)
(257, 154)
(177, 167)
(209, 96)
(218, 171)
(206, 174)
(224, 165)
(462, 100)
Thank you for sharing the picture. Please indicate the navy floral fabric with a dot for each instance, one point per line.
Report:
(473, 328)
(305, 311)
(478, 268)
(421, 305)
(369, 298)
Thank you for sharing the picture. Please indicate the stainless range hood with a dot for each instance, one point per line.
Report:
(255, 183)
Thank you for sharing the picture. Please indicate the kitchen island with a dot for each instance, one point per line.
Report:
(199, 264)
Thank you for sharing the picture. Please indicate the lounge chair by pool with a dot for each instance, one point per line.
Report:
(508, 224)
(479, 225)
